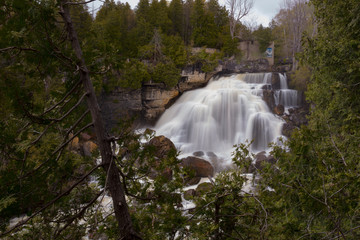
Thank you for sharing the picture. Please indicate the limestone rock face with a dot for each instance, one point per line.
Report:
(275, 81)
(201, 167)
(120, 104)
(260, 65)
(155, 99)
(268, 97)
(192, 80)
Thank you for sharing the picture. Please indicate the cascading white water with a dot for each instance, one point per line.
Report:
(285, 96)
(227, 111)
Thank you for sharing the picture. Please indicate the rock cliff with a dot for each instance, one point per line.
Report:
(147, 104)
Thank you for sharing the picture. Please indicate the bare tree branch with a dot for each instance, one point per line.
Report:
(78, 3)
(238, 9)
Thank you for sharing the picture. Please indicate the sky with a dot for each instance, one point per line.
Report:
(262, 12)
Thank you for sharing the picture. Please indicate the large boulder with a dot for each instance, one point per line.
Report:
(189, 194)
(163, 146)
(261, 159)
(201, 167)
(203, 188)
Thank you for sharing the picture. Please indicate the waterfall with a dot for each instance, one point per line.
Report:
(227, 111)
(285, 96)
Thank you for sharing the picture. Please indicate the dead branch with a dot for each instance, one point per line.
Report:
(78, 3)
(337, 149)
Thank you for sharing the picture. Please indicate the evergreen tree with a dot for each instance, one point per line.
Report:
(177, 17)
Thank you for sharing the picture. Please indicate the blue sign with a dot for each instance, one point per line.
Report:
(269, 52)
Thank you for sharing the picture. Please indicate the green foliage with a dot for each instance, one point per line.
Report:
(208, 61)
(300, 78)
(316, 181)
(175, 50)
(230, 47)
(225, 210)
(153, 182)
(264, 36)
(166, 73)
(134, 73)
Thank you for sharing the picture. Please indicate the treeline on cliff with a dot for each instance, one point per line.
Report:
(152, 42)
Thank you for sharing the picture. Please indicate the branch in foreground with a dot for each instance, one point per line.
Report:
(78, 215)
(50, 203)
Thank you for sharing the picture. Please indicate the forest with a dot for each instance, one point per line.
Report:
(57, 59)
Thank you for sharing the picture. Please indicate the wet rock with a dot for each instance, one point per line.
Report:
(198, 154)
(192, 181)
(275, 81)
(261, 159)
(201, 167)
(279, 110)
(268, 97)
(189, 194)
(298, 117)
(166, 173)
(211, 154)
(287, 129)
(203, 188)
(266, 87)
(120, 104)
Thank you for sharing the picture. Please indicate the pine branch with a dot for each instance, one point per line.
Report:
(63, 99)
(49, 203)
(79, 215)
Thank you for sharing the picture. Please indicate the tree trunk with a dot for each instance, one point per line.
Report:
(114, 183)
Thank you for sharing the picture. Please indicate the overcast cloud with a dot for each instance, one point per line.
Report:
(262, 12)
